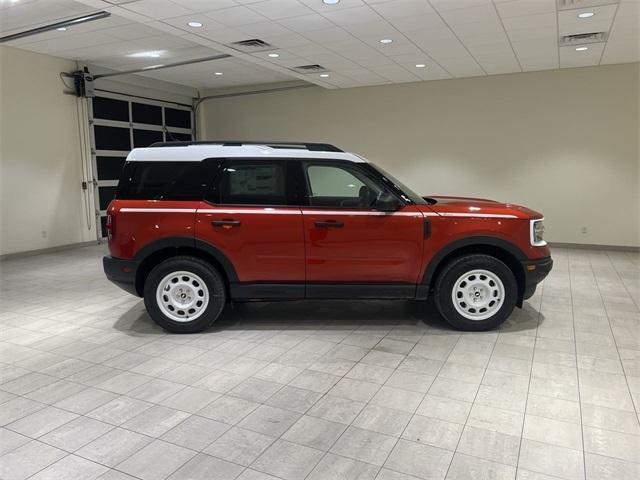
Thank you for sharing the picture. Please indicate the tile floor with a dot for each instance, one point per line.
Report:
(90, 388)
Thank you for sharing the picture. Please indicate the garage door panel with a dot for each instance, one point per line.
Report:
(121, 122)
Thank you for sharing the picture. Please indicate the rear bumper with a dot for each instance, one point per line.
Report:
(534, 272)
(121, 272)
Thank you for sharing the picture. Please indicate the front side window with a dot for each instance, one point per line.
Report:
(259, 183)
(340, 186)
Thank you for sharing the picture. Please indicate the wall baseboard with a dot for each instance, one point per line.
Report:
(31, 253)
(586, 246)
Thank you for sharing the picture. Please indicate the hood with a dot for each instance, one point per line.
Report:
(468, 205)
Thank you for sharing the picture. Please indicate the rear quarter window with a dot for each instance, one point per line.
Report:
(162, 181)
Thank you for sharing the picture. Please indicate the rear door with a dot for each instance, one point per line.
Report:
(347, 240)
(250, 216)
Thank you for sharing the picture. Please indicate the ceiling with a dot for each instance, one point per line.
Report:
(451, 38)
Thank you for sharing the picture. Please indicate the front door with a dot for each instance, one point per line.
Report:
(249, 218)
(347, 240)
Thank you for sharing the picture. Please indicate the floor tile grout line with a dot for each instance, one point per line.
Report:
(533, 353)
(575, 344)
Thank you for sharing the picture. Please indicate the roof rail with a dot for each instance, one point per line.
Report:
(311, 146)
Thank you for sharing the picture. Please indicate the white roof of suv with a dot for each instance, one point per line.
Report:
(194, 151)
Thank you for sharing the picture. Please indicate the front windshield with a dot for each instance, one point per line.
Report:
(414, 197)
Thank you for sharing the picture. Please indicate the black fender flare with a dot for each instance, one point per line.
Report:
(476, 240)
(188, 242)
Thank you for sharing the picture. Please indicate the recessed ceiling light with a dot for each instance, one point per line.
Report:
(420, 65)
(194, 24)
(152, 54)
(581, 49)
(274, 55)
(330, 2)
(217, 73)
(324, 75)
(386, 41)
(62, 29)
(586, 15)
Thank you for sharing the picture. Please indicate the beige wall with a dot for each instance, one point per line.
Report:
(562, 142)
(41, 202)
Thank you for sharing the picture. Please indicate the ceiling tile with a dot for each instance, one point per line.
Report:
(569, 57)
(570, 24)
(306, 23)
(157, 9)
(351, 16)
(403, 9)
(199, 6)
(279, 9)
(521, 8)
(236, 16)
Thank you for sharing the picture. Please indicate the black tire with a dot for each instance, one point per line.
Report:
(445, 285)
(209, 275)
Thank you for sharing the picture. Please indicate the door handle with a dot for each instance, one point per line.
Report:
(226, 223)
(329, 224)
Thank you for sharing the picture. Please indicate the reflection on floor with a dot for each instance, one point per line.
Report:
(90, 388)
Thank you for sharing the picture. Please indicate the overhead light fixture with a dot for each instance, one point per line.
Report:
(273, 55)
(386, 41)
(586, 15)
(152, 54)
(194, 24)
(55, 26)
(62, 29)
(330, 2)
(324, 75)
(581, 49)
(420, 65)
(217, 73)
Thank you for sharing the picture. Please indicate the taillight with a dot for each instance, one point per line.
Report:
(111, 226)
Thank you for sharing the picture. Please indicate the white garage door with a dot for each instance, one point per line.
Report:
(122, 122)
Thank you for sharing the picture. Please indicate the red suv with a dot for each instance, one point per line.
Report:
(195, 225)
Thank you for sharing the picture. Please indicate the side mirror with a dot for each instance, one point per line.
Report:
(387, 202)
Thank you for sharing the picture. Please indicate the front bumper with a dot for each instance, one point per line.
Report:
(121, 272)
(534, 272)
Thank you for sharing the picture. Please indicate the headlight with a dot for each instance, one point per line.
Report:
(537, 233)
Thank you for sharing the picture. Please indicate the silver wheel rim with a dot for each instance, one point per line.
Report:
(182, 296)
(478, 294)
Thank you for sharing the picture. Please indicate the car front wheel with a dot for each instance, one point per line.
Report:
(184, 294)
(476, 292)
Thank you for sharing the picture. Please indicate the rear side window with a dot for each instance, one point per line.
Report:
(247, 183)
(162, 181)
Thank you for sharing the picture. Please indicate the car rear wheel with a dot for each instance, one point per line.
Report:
(476, 292)
(184, 294)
